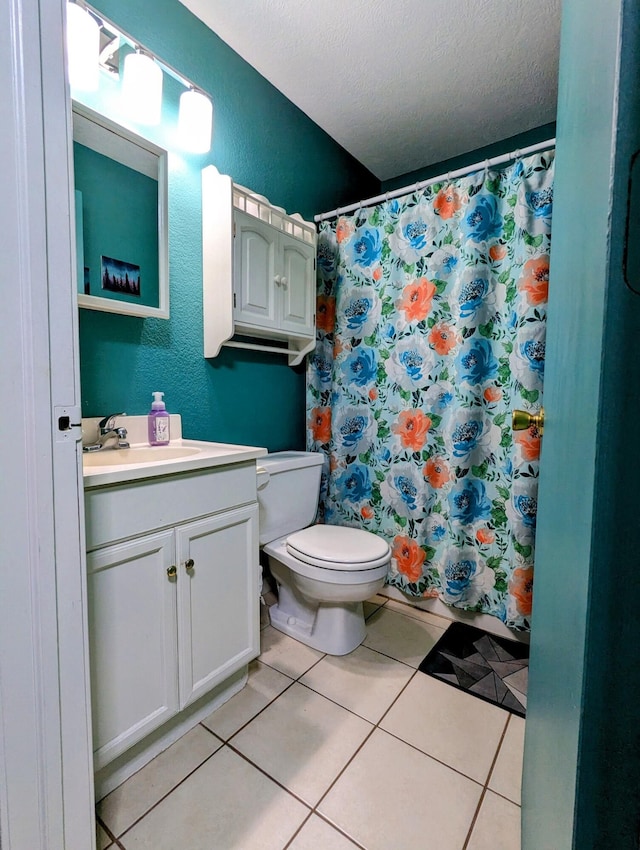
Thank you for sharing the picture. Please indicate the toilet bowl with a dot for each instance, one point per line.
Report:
(323, 572)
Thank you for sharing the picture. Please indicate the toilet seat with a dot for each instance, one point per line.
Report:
(333, 547)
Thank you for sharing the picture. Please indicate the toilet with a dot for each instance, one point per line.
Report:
(323, 572)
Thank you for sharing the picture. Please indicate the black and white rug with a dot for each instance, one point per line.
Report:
(492, 668)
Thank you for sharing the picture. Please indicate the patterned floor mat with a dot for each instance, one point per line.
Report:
(492, 668)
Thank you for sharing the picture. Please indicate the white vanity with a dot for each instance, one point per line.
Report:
(173, 591)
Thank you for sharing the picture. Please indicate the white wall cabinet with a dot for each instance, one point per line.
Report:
(173, 612)
(258, 272)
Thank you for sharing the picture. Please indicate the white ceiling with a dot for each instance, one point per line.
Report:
(402, 83)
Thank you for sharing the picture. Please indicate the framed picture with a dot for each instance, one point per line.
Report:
(119, 276)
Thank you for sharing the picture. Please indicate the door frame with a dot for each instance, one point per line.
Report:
(46, 785)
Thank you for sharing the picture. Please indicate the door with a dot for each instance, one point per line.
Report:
(254, 265)
(582, 765)
(297, 286)
(218, 594)
(133, 642)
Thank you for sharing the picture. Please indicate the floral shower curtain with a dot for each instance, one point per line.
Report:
(431, 329)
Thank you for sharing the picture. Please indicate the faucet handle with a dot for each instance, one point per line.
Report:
(109, 422)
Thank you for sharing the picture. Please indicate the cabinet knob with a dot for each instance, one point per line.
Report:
(277, 280)
(284, 282)
(189, 565)
(172, 572)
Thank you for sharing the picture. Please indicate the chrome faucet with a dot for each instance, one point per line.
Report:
(107, 432)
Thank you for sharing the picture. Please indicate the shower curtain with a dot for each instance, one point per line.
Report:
(431, 329)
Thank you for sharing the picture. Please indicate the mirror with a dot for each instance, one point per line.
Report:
(121, 218)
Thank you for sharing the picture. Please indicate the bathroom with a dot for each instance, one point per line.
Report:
(121, 356)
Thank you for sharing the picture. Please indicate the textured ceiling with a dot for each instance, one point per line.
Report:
(402, 83)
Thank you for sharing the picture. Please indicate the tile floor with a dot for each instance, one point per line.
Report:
(326, 753)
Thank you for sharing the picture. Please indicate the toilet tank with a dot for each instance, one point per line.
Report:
(288, 490)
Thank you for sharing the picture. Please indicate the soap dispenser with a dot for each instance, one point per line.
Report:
(158, 422)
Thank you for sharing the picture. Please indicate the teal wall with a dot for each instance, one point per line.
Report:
(513, 143)
(263, 142)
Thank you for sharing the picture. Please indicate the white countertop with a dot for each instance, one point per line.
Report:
(103, 467)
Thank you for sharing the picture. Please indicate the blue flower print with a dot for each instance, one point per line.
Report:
(411, 362)
(361, 367)
(355, 483)
(482, 221)
(357, 313)
(322, 367)
(326, 258)
(527, 509)
(413, 233)
(354, 430)
(469, 503)
(472, 295)
(533, 350)
(541, 203)
(366, 248)
(476, 362)
(465, 577)
(403, 490)
(465, 437)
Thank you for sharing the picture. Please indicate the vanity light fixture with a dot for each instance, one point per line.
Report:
(195, 120)
(142, 87)
(83, 47)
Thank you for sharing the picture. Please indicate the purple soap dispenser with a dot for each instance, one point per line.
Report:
(158, 422)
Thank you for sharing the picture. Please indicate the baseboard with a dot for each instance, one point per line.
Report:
(435, 606)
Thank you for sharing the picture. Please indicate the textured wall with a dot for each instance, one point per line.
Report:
(263, 142)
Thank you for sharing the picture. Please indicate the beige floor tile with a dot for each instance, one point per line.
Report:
(264, 685)
(122, 807)
(102, 839)
(419, 614)
(373, 604)
(287, 655)
(316, 834)
(452, 726)
(303, 741)
(506, 778)
(364, 681)
(225, 805)
(403, 638)
(392, 796)
(497, 826)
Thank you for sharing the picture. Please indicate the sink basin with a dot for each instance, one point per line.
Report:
(136, 454)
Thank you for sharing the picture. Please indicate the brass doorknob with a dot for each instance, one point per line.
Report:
(172, 572)
(521, 420)
(189, 565)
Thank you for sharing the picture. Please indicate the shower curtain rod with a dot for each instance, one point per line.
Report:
(449, 175)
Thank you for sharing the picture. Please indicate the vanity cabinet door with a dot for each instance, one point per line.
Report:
(218, 592)
(132, 640)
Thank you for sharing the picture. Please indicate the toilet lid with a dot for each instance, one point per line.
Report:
(338, 548)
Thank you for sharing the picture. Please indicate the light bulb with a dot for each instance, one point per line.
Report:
(142, 88)
(195, 120)
(83, 48)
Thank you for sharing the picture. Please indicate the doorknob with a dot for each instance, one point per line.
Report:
(522, 420)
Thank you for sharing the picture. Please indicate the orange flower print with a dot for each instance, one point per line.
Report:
(443, 337)
(436, 471)
(326, 313)
(409, 557)
(448, 201)
(528, 442)
(498, 252)
(485, 536)
(412, 427)
(430, 593)
(344, 229)
(521, 587)
(320, 424)
(534, 281)
(377, 273)
(366, 512)
(492, 394)
(416, 299)
(373, 394)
